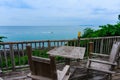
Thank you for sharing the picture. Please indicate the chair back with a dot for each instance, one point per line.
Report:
(42, 66)
(114, 51)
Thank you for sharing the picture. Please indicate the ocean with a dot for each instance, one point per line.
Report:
(28, 33)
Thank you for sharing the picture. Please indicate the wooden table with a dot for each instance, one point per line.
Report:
(69, 52)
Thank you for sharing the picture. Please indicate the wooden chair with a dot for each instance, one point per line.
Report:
(105, 66)
(45, 69)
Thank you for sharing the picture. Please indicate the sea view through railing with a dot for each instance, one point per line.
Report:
(13, 54)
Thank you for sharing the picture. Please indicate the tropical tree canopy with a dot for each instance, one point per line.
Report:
(105, 30)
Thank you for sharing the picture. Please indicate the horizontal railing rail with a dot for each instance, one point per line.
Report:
(13, 54)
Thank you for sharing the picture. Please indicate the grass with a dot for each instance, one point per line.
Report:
(23, 60)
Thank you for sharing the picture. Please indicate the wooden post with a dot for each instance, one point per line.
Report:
(43, 45)
(101, 47)
(22, 46)
(18, 53)
(58, 44)
(118, 60)
(35, 45)
(12, 57)
(0, 62)
(90, 49)
(53, 67)
(29, 53)
(39, 45)
(79, 34)
(5, 54)
(61, 43)
(48, 44)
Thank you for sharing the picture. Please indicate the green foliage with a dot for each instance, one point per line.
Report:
(23, 60)
(40, 53)
(1, 38)
(105, 30)
(43, 53)
(87, 32)
(58, 58)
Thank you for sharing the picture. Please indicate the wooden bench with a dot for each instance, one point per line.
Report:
(45, 69)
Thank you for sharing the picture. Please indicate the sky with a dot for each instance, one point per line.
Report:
(58, 12)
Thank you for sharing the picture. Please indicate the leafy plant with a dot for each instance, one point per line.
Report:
(105, 30)
(1, 38)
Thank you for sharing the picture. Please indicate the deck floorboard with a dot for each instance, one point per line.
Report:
(22, 74)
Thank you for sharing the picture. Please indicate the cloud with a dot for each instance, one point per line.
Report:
(14, 4)
(58, 12)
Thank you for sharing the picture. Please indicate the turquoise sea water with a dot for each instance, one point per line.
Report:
(25, 33)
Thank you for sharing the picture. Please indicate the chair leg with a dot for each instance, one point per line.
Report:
(88, 73)
(118, 62)
(110, 76)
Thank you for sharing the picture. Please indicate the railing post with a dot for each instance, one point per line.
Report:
(12, 56)
(29, 54)
(0, 62)
(90, 49)
(79, 34)
(39, 45)
(18, 53)
(101, 47)
(5, 55)
(48, 44)
(42, 44)
(35, 45)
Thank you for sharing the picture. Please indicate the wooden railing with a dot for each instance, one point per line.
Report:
(13, 54)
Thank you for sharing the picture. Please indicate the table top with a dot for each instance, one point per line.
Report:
(68, 52)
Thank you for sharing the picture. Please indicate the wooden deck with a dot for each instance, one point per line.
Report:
(78, 74)
(16, 75)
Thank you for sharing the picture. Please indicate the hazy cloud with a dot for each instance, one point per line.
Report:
(58, 12)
